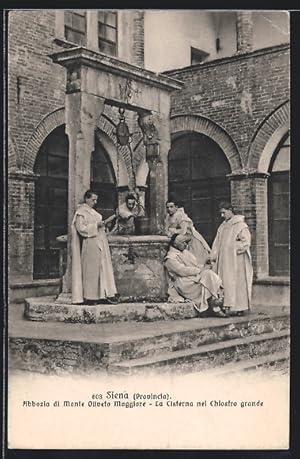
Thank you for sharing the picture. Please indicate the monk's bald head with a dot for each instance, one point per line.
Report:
(180, 242)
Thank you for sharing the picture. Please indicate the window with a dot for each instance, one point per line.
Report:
(107, 32)
(279, 210)
(75, 27)
(198, 56)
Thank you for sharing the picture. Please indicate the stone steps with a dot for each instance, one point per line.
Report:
(194, 333)
(207, 356)
(185, 345)
(277, 360)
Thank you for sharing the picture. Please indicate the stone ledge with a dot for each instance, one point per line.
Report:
(34, 283)
(115, 66)
(147, 239)
(277, 49)
(46, 309)
(272, 280)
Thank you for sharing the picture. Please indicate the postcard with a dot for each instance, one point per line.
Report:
(148, 229)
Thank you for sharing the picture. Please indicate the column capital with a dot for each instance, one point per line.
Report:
(244, 174)
(25, 175)
(148, 128)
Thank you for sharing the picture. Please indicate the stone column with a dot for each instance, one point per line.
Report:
(244, 32)
(156, 143)
(60, 25)
(249, 198)
(260, 189)
(82, 111)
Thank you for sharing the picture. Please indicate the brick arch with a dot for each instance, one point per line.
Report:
(56, 119)
(267, 137)
(197, 123)
(44, 128)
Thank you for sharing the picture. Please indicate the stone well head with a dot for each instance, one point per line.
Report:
(138, 263)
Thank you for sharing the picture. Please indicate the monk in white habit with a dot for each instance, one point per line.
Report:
(189, 281)
(126, 215)
(92, 272)
(232, 260)
(177, 222)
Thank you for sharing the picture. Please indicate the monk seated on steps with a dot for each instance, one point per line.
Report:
(190, 282)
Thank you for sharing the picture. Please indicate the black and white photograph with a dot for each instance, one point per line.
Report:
(148, 178)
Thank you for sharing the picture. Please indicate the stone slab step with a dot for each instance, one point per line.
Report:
(44, 309)
(19, 290)
(193, 333)
(276, 359)
(211, 355)
(138, 339)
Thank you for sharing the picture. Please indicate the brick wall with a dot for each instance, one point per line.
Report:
(20, 220)
(36, 88)
(36, 85)
(238, 93)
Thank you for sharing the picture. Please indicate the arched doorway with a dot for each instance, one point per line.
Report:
(103, 181)
(279, 209)
(197, 174)
(51, 198)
